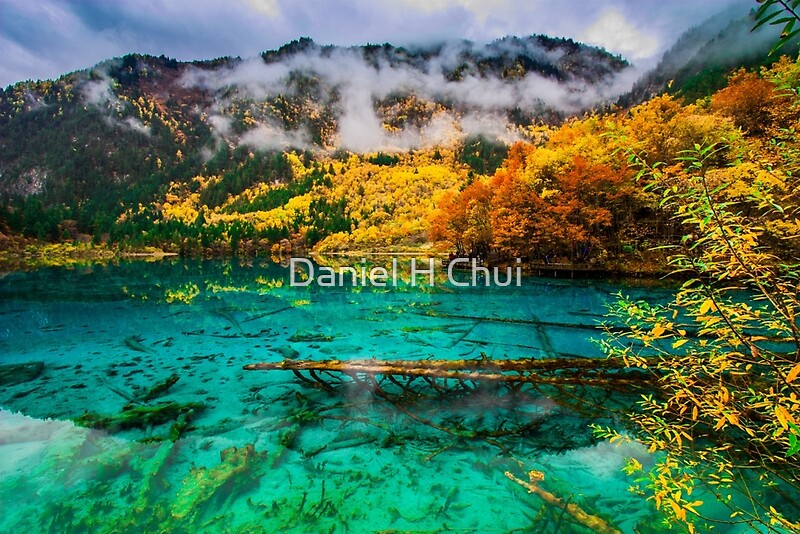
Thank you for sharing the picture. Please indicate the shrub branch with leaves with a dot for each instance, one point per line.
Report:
(726, 353)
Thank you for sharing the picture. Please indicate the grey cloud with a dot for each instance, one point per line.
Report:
(46, 38)
(267, 136)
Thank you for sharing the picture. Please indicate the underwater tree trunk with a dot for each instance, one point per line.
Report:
(593, 522)
(607, 372)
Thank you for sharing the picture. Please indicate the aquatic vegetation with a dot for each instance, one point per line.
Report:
(185, 294)
(313, 337)
(218, 288)
(148, 502)
(267, 284)
(140, 417)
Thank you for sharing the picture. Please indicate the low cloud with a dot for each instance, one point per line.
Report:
(476, 104)
(99, 93)
(270, 137)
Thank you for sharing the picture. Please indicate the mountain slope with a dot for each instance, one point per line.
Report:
(95, 143)
(700, 62)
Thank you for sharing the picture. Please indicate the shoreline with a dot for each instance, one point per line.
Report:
(29, 255)
(156, 254)
(363, 253)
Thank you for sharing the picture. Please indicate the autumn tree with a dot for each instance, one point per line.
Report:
(748, 99)
(463, 219)
(557, 204)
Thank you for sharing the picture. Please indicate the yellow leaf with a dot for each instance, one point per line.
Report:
(680, 513)
(681, 342)
(793, 374)
(781, 414)
(732, 418)
(789, 416)
(691, 506)
(707, 305)
(658, 330)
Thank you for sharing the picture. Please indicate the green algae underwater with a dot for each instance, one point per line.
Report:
(124, 406)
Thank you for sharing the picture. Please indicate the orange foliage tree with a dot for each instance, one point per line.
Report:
(748, 100)
(464, 219)
(568, 216)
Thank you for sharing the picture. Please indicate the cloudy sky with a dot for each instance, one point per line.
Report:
(45, 38)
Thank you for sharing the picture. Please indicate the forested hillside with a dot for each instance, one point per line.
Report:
(701, 60)
(511, 148)
(99, 143)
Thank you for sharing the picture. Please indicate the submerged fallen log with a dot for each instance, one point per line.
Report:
(450, 395)
(160, 388)
(593, 522)
(584, 371)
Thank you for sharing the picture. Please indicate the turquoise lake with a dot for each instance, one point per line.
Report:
(267, 451)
